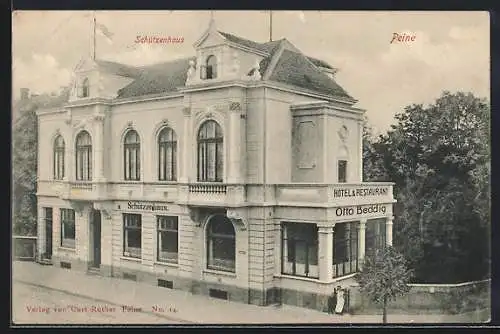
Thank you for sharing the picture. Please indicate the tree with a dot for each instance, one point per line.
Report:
(439, 156)
(24, 159)
(384, 277)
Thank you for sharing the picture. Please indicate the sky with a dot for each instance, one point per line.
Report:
(450, 50)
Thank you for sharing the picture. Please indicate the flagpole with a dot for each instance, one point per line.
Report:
(270, 26)
(93, 35)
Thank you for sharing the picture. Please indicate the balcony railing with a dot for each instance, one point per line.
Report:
(225, 194)
(81, 185)
(208, 188)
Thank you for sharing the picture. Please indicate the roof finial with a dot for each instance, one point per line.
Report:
(212, 20)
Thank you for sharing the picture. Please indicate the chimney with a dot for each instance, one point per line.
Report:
(25, 93)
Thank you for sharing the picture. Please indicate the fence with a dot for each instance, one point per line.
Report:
(24, 247)
(429, 298)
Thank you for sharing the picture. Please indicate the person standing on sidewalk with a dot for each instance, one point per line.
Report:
(339, 309)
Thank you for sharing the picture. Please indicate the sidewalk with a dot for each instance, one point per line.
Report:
(187, 308)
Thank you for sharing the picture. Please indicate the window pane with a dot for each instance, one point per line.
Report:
(174, 162)
(219, 161)
(211, 161)
(161, 162)
(342, 171)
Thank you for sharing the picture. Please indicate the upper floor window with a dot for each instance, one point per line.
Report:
(210, 152)
(85, 88)
(83, 156)
(342, 171)
(209, 71)
(131, 154)
(59, 158)
(167, 155)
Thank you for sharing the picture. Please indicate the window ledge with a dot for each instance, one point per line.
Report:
(132, 259)
(166, 264)
(340, 278)
(67, 249)
(221, 273)
(300, 278)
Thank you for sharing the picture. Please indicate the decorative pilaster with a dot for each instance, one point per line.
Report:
(361, 241)
(42, 237)
(234, 142)
(277, 248)
(325, 252)
(388, 230)
(186, 148)
(99, 117)
(360, 152)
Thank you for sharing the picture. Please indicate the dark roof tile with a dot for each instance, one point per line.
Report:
(294, 68)
(320, 63)
(158, 78)
(117, 68)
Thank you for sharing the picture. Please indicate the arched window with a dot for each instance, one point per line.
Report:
(167, 155)
(83, 156)
(85, 87)
(210, 152)
(131, 155)
(59, 158)
(221, 244)
(211, 67)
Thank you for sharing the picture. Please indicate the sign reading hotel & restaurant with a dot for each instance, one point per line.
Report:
(147, 206)
(361, 210)
(361, 192)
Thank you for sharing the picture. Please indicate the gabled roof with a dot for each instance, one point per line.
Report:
(320, 63)
(295, 69)
(158, 78)
(285, 63)
(117, 68)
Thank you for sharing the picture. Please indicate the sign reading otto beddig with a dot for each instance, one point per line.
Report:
(361, 210)
(146, 206)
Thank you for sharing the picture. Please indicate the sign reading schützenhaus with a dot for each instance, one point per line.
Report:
(146, 206)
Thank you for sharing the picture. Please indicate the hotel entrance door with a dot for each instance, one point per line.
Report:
(95, 239)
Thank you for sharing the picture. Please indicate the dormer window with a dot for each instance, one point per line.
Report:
(85, 88)
(209, 71)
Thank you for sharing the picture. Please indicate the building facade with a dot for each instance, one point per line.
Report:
(236, 173)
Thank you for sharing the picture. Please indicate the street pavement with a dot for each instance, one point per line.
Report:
(75, 297)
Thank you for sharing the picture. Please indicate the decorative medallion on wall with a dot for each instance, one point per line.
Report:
(343, 133)
(235, 106)
(164, 122)
(130, 124)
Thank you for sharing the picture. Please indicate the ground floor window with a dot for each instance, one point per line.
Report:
(68, 228)
(168, 238)
(132, 235)
(300, 249)
(345, 249)
(221, 244)
(375, 235)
